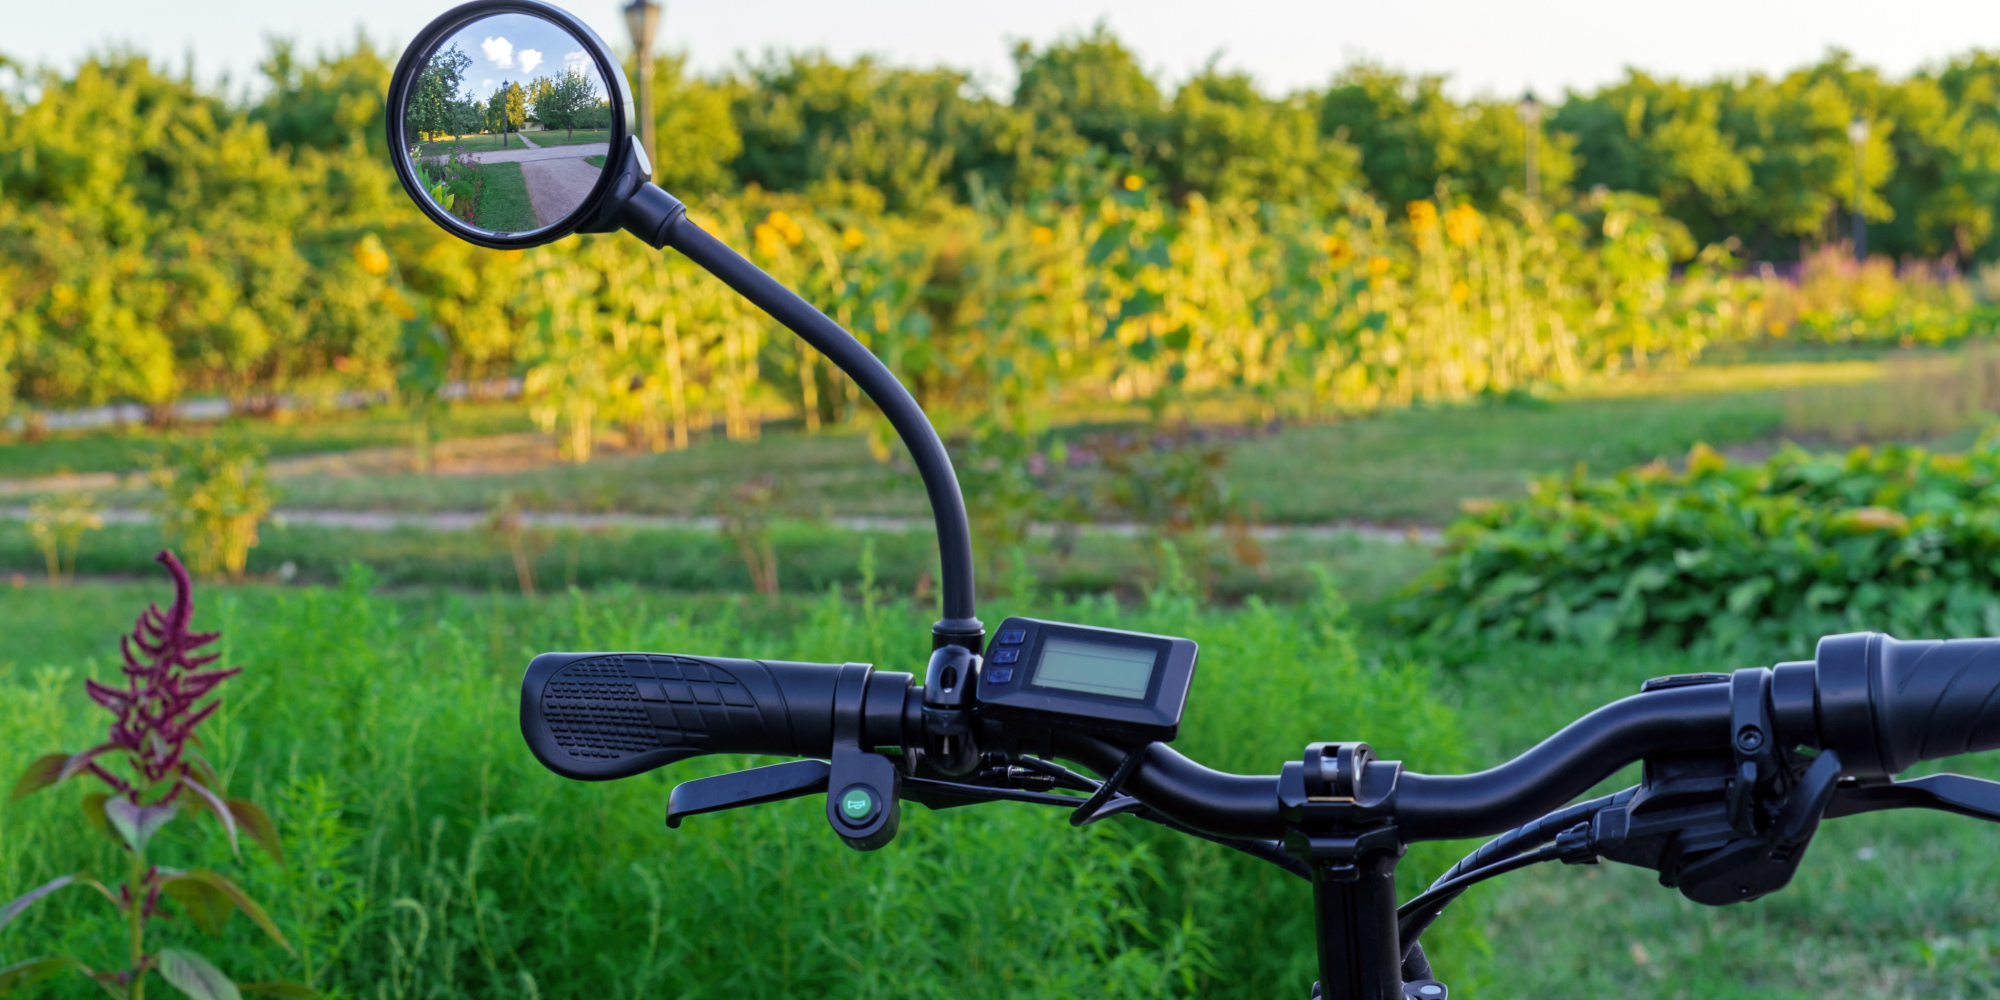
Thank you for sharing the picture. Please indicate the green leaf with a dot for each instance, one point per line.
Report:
(215, 805)
(137, 824)
(236, 895)
(194, 975)
(78, 761)
(251, 817)
(34, 970)
(45, 771)
(208, 907)
(296, 991)
(93, 813)
(13, 909)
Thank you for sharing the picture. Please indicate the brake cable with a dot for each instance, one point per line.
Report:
(1417, 915)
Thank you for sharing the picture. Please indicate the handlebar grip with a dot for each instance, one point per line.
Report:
(597, 716)
(1887, 703)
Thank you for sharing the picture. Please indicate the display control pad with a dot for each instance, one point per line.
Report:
(1083, 678)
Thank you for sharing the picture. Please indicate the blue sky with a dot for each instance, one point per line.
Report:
(518, 48)
(1489, 47)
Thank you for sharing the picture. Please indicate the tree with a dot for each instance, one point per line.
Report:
(1411, 135)
(1229, 140)
(1093, 85)
(506, 110)
(567, 102)
(431, 110)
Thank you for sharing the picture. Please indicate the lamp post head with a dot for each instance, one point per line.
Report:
(1857, 130)
(1529, 109)
(642, 17)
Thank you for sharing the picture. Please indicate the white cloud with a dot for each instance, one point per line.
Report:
(500, 52)
(486, 86)
(576, 60)
(530, 58)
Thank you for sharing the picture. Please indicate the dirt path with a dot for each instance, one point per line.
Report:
(557, 187)
(576, 152)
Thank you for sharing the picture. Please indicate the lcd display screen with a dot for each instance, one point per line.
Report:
(1095, 668)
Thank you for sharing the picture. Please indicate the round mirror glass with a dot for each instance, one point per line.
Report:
(508, 123)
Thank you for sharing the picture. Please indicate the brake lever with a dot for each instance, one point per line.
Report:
(1952, 793)
(756, 786)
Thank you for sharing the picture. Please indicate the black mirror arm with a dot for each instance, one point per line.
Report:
(661, 220)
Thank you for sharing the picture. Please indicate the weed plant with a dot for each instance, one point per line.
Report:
(430, 856)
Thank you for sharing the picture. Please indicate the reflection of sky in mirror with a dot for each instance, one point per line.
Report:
(518, 48)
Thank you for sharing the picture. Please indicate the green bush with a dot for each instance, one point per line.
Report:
(1891, 538)
(430, 855)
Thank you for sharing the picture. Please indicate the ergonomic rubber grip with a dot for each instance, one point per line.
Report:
(1885, 703)
(597, 716)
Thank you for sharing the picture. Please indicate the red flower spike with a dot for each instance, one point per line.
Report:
(156, 712)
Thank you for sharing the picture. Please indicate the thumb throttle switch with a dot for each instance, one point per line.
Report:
(864, 788)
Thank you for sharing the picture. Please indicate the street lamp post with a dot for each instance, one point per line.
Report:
(642, 17)
(1531, 120)
(1858, 132)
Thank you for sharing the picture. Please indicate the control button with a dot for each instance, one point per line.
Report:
(1012, 636)
(1004, 656)
(999, 675)
(857, 804)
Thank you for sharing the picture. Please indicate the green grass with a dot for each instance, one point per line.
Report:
(1413, 466)
(810, 558)
(431, 856)
(556, 137)
(595, 161)
(1896, 904)
(380, 729)
(484, 142)
(112, 449)
(503, 202)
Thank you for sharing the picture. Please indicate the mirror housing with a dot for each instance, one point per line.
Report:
(600, 209)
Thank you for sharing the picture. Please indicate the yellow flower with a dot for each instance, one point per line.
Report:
(1134, 182)
(369, 254)
(1378, 265)
(1461, 225)
(853, 238)
(1460, 291)
(785, 226)
(1337, 249)
(767, 238)
(1423, 215)
(398, 304)
(1043, 234)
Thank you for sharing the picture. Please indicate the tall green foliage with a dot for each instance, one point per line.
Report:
(430, 856)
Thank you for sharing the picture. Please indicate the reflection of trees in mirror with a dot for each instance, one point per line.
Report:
(568, 102)
(436, 108)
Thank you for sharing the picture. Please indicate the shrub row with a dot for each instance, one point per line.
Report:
(1887, 538)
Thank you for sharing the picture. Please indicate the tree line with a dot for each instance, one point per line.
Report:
(441, 107)
(1360, 246)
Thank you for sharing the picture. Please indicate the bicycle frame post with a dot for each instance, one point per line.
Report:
(1354, 919)
(1338, 802)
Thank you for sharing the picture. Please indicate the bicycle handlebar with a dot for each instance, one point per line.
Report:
(1882, 703)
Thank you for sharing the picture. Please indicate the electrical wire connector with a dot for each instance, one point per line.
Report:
(1573, 846)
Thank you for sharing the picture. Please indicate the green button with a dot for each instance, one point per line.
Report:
(857, 803)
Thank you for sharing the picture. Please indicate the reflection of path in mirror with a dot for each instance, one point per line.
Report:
(557, 186)
(559, 178)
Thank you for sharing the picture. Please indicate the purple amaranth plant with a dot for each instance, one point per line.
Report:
(153, 737)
